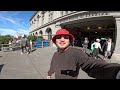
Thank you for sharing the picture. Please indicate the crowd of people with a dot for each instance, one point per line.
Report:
(96, 47)
(24, 44)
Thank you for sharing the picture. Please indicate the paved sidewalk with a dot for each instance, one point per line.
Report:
(29, 66)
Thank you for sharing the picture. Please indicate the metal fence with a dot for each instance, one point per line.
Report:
(9, 47)
(16, 46)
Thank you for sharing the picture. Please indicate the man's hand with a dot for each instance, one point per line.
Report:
(48, 77)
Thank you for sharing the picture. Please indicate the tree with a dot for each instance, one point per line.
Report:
(40, 38)
(5, 39)
(33, 38)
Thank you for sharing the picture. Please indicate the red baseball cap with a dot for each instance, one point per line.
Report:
(63, 32)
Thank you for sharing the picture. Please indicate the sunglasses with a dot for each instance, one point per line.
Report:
(60, 36)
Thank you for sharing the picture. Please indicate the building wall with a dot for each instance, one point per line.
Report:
(45, 20)
(54, 20)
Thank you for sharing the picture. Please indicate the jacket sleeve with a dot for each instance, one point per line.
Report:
(52, 65)
(103, 45)
(92, 46)
(97, 68)
(113, 48)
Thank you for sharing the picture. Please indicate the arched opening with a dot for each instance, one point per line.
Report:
(36, 33)
(41, 33)
(49, 31)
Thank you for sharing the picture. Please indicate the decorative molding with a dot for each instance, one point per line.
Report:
(117, 18)
(83, 16)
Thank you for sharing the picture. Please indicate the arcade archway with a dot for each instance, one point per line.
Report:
(91, 29)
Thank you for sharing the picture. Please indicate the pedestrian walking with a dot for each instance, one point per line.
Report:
(67, 61)
(85, 44)
(23, 44)
(31, 46)
(96, 46)
(28, 48)
(108, 48)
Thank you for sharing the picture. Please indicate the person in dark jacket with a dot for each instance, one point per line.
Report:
(108, 48)
(85, 45)
(23, 44)
(67, 61)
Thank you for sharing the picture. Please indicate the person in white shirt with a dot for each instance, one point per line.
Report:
(108, 48)
(97, 46)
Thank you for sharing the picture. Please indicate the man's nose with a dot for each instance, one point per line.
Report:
(62, 39)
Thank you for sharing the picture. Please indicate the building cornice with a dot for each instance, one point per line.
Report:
(85, 14)
(35, 12)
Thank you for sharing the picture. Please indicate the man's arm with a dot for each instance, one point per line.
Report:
(52, 65)
(102, 47)
(97, 68)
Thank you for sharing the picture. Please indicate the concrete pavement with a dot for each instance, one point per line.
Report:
(29, 66)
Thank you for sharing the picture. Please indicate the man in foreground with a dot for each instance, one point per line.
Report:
(67, 61)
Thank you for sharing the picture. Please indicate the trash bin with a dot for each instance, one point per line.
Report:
(38, 43)
(45, 43)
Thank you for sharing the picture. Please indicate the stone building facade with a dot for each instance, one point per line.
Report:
(91, 24)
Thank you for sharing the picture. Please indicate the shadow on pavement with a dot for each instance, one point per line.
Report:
(0, 56)
(90, 55)
(1, 66)
(33, 50)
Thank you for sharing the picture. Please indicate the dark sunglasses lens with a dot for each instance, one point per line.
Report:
(58, 37)
(66, 37)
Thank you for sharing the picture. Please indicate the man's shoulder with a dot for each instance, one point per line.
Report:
(75, 49)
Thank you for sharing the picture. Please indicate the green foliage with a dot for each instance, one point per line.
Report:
(40, 38)
(33, 38)
(5, 39)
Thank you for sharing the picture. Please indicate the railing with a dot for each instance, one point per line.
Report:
(8, 47)
(43, 44)
(11, 47)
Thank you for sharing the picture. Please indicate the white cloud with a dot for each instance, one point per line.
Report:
(13, 32)
(7, 31)
(8, 19)
(19, 24)
(23, 31)
(9, 16)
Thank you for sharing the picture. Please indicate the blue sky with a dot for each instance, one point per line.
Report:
(12, 22)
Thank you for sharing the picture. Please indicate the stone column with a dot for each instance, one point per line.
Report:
(116, 54)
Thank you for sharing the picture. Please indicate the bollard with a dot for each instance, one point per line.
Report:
(42, 44)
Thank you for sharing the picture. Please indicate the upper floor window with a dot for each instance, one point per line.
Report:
(50, 15)
(61, 13)
(43, 18)
(66, 12)
(38, 17)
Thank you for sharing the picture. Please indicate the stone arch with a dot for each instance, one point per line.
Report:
(36, 33)
(49, 32)
(41, 33)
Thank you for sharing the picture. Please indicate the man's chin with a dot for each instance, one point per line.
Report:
(62, 47)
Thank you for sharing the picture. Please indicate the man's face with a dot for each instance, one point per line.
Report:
(62, 41)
